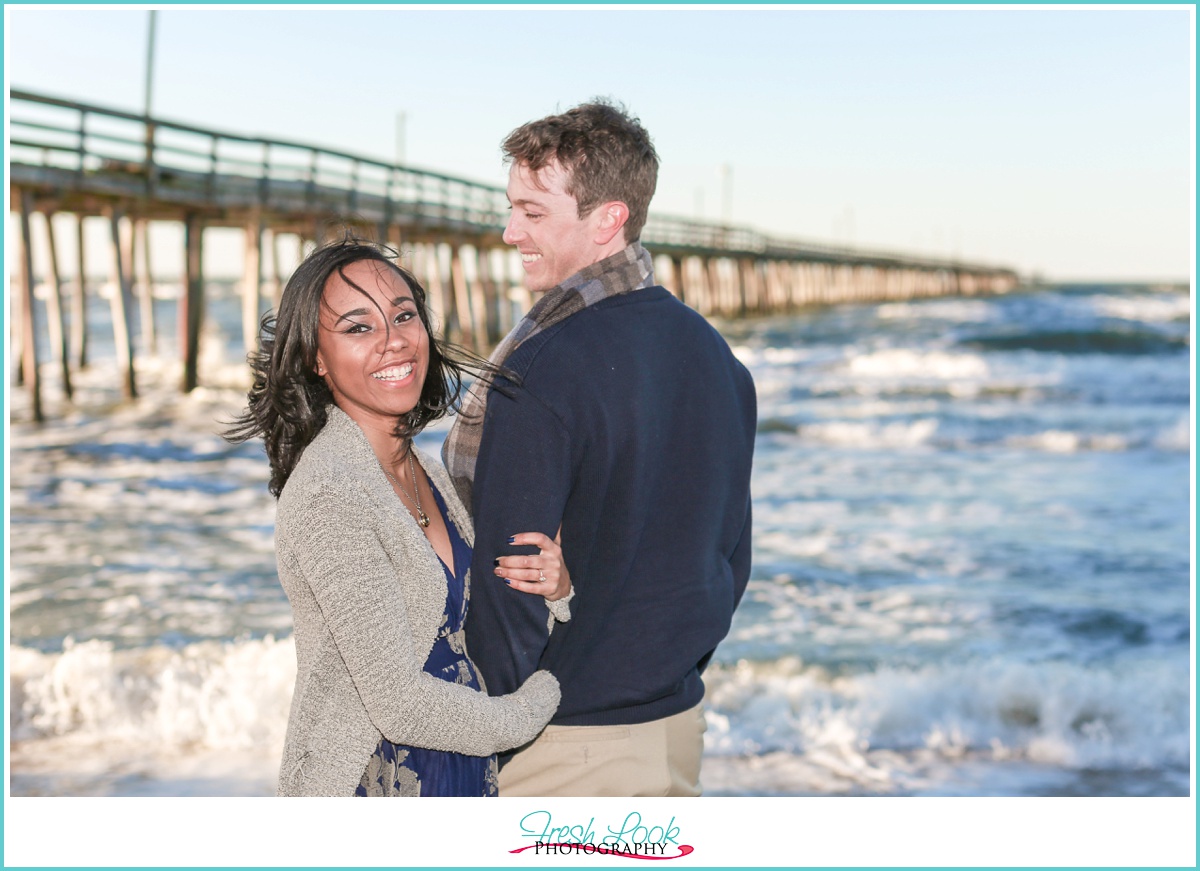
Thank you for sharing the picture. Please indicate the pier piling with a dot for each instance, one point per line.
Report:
(145, 285)
(79, 326)
(121, 302)
(56, 312)
(29, 366)
(252, 282)
(191, 307)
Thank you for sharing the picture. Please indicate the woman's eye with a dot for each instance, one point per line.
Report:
(404, 317)
(357, 328)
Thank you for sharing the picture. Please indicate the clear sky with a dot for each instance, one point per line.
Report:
(1051, 140)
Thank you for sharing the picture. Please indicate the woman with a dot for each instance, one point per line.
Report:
(373, 544)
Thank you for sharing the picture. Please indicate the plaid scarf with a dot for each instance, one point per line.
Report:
(631, 268)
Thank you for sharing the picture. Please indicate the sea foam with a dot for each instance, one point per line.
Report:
(890, 729)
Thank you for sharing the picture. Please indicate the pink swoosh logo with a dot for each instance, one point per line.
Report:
(684, 850)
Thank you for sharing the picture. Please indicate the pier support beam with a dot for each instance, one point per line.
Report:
(479, 307)
(252, 283)
(518, 296)
(79, 328)
(468, 320)
(29, 365)
(145, 283)
(414, 261)
(122, 304)
(715, 298)
(677, 279)
(191, 305)
(749, 300)
(277, 277)
(394, 238)
(431, 262)
(56, 312)
(489, 295)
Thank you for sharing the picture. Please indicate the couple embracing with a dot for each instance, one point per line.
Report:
(534, 617)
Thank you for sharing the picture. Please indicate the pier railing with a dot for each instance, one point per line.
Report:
(101, 150)
(104, 150)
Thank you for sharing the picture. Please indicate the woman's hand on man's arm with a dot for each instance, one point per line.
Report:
(543, 574)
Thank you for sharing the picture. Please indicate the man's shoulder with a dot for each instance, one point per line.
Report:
(563, 338)
(650, 317)
(625, 313)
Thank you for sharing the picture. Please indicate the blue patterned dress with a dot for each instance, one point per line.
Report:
(400, 770)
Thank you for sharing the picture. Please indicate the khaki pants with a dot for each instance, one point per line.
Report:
(659, 758)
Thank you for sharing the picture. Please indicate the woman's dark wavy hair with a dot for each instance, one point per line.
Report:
(288, 403)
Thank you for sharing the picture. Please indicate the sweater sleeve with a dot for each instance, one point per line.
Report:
(739, 568)
(522, 479)
(354, 585)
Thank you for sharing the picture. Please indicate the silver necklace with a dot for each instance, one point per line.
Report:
(422, 517)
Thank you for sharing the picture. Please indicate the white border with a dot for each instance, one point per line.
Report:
(835, 832)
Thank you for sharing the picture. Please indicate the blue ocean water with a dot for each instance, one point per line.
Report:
(972, 563)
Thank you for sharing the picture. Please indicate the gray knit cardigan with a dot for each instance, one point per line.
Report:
(368, 595)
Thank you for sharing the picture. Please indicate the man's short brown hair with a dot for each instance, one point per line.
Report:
(606, 154)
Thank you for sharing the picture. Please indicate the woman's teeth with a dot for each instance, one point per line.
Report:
(395, 373)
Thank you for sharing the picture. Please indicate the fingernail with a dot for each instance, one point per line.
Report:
(512, 539)
(496, 561)
(507, 581)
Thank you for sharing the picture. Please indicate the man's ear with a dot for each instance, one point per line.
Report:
(613, 216)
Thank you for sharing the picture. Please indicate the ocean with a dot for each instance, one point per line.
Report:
(971, 575)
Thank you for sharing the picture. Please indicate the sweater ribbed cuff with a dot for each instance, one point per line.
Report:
(560, 609)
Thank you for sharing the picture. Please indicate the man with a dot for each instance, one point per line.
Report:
(622, 417)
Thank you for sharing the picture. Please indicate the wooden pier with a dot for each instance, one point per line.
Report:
(129, 170)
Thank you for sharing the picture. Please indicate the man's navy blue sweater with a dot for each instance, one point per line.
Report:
(632, 424)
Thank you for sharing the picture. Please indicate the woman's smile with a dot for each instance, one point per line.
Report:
(395, 373)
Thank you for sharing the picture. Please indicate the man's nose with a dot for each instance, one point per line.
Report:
(512, 234)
